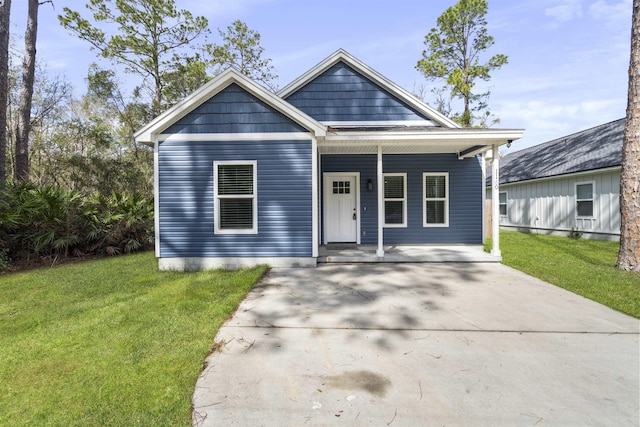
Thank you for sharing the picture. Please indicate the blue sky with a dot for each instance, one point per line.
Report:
(568, 59)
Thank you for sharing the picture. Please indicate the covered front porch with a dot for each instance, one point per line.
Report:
(361, 221)
(353, 253)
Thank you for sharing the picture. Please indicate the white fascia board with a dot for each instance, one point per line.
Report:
(182, 108)
(481, 136)
(374, 76)
(215, 137)
(217, 84)
(311, 74)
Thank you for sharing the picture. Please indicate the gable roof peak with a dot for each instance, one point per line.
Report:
(360, 67)
(223, 80)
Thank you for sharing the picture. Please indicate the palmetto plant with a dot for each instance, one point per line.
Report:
(51, 222)
(39, 219)
(44, 220)
(119, 222)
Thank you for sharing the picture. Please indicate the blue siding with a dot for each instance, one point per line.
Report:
(465, 202)
(284, 199)
(234, 110)
(342, 94)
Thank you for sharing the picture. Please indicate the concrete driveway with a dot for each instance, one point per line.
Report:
(420, 345)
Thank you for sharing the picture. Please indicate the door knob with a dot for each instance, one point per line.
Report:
(354, 216)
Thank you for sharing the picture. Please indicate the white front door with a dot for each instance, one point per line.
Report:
(341, 207)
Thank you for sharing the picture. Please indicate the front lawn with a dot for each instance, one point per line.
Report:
(111, 342)
(586, 267)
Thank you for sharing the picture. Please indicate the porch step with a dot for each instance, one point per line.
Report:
(400, 253)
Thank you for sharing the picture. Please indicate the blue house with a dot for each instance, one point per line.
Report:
(342, 154)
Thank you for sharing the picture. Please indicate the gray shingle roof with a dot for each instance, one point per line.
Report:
(591, 149)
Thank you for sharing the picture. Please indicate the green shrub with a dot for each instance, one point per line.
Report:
(119, 223)
(5, 261)
(45, 220)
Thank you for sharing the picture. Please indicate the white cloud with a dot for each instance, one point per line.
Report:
(547, 119)
(615, 14)
(566, 11)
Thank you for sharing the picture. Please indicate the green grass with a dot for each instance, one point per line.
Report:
(111, 342)
(585, 267)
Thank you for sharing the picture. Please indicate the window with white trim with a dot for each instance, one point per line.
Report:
(235, 197)
(502, 203)
(436, 199)
(584, 199)
(395, 199)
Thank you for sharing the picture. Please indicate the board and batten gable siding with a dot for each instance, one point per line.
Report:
(340, 94)
(549, 205)
(186, 186)
(234, 110)
(465, 196)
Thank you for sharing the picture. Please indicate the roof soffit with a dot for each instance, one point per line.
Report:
(463, 142)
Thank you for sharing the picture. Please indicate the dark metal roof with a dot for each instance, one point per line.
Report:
(596, 148)
(385, 128)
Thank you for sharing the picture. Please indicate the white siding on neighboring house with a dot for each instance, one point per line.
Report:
(549, 205)
(566, 186)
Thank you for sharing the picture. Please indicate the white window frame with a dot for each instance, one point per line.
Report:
(445, 199)
(505, 204)
(394, 199)
(217, 197)
(592, 199)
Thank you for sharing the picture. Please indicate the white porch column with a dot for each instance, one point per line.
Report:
(380, 189)
(495, 201)
(483, 167)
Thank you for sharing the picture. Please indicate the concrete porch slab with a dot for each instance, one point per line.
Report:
(351, 253)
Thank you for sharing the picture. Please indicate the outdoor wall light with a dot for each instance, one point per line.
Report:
(369, 185)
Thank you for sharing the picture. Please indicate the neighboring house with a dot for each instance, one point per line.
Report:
(244, 176)
(568, 186)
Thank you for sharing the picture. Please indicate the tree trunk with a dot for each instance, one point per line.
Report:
(466, 115)
(629, 255)
(26, 94)
(5, 12)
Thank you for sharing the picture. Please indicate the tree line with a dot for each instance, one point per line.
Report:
(72, 181)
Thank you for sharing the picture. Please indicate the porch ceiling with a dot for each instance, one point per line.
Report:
(463, 142)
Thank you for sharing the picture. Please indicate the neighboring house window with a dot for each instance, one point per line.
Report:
(235, 197)
(395, 199)
(503, 203)
(436, 199)
(584, 199)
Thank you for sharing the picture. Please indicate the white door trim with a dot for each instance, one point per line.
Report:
(326, 177)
